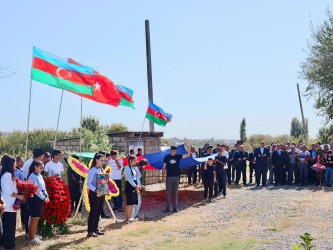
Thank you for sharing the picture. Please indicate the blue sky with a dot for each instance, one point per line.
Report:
(213, 62)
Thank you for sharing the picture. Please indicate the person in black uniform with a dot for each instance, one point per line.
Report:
(232, 161)
(209, 177)
(240, 161)
(207, 152)
(219, 162)
(261, 154)
(252, 164)
(74, 185)
(279, 161)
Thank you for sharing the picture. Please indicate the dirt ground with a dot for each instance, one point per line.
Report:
(249, 218)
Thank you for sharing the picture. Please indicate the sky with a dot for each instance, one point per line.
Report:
(213, 62)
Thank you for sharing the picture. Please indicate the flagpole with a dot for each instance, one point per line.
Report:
(303, 120)
(144, 120)
(27, 137)
(56, 132)
(81, 131)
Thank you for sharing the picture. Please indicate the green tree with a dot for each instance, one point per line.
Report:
(243, 130)
(91, 123)
(326, 134)
(296, 127)
(317, 68)
(115, 128)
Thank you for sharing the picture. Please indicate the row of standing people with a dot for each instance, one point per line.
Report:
(273, 163)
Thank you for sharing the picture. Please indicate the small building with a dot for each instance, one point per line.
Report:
(68, 145)
(150, 142)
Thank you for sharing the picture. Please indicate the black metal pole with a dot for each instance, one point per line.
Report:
(149, 72)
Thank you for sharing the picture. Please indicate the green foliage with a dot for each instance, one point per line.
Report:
(254, 140)
(48, 230)
(166, 141)
(91, 123)
(296, 128)
(115, 128)
(94, 142)
(317, 68)
(243, 130)
(326, 134)
(306, 244)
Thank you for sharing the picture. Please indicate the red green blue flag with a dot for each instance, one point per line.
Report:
(157, 115)
(126, 96)
(59, 73)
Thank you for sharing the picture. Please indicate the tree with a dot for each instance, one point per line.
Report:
(296, 127)
(91, 123)
(317, 68)
(165, 141)
(115, 128)
(326, 134)
(243, 130)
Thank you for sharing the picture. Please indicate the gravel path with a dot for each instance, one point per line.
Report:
(274, 216)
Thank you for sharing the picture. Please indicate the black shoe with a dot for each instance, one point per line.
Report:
(175, 210)
(120, 210)
(276, 184)
(264, 185)
(166, 211)
(115, 208)
(92, 235)
(99, 233)
(104, 216)
(300, 184)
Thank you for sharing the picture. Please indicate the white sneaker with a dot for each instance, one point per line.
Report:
(38, 237)
(35, 242)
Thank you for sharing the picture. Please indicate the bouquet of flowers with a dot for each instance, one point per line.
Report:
(27, 188)
(318, 166)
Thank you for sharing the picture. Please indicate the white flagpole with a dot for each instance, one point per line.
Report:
(56, 132)
(27, 137)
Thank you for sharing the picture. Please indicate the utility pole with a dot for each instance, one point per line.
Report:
(149, 72)
(304, 127)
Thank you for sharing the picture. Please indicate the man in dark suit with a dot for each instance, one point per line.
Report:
(261, 154)
(252, 164)
(279, 160)
(240, 161)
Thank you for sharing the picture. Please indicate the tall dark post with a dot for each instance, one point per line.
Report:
(149, 73)
(303, 120)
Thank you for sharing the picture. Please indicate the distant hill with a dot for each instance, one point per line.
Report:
(4, 134)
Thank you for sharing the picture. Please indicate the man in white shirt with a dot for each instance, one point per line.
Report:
(117, 166)
(38, 155)
(54, 167)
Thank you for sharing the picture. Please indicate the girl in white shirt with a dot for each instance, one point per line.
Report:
(9, 195)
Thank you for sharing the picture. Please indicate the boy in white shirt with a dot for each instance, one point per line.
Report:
(116, 165)
(55, 167)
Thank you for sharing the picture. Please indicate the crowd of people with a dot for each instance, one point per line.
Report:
(276, 164)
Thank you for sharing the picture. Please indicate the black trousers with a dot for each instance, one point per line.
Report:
(293, 170)
(23, 211)
(75, 194)
(9, 227)
(240, 169)
(192, 170)
(312, 173)
(229, 172)
(233, 169)
(96, 208)
(252, 169)
(261, 173)
(208, 188)
(280, 174)
(220, 186)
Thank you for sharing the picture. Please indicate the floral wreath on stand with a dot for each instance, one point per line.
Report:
(82, 170)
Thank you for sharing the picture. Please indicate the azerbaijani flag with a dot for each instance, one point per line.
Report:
(157, 115)
(126, 96)
(59, 73)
